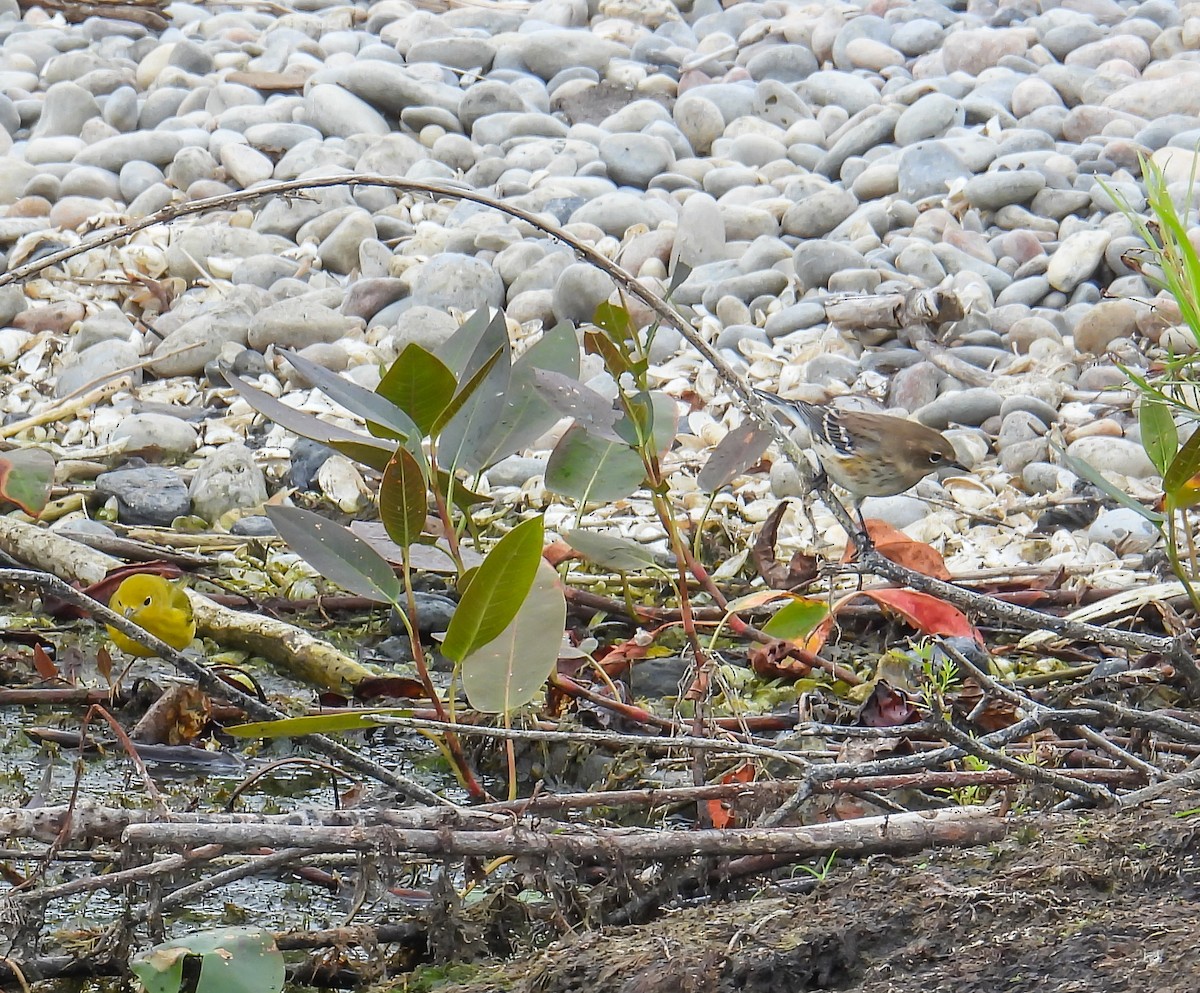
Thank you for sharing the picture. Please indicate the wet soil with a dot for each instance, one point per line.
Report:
(1099, 903)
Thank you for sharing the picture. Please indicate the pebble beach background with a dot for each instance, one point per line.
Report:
(788, 152)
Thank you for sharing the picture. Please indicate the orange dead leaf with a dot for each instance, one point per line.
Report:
(720, 812)
(558, 552)
(895, 545)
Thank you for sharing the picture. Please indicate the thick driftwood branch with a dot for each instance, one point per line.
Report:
(899, 833)
(88, 822)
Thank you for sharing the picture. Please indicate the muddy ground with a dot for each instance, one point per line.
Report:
(1094, 903)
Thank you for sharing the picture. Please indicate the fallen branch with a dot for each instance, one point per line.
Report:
(868, 835)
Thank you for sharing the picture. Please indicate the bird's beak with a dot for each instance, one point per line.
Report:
(129, 612)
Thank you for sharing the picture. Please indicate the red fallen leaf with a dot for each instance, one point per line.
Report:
(819, 635)
(104, 664)
(720, 812)
(762, 552)
(925, 612)
(887, 707)
(390, 687)
(900, 548)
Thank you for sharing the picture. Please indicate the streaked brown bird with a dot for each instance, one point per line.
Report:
(869, 454)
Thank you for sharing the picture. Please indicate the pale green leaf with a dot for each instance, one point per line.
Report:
(508, 671)
(591, 469)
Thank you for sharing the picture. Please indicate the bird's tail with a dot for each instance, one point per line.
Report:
(799, 412)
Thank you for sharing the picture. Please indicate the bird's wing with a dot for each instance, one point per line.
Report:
(832, 431)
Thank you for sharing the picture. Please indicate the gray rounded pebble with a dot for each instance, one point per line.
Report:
(970, 407)
(228, 480)
(152, 495)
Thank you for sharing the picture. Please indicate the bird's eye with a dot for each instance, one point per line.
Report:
(935, 458)
(146, 602)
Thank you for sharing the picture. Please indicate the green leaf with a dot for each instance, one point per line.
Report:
(421, 557)
(654, 418)
(26, 475)
(616, 322)
(403, 499)
(797, 620)
(587, 468)
(735, 453)
(1086, 470)
(159, 970)
(610, 550)
(463, 437)
(616, 360)
(420, 384)
(457, 350)
(384, 419)
(232, 960)
(679, 276)
(526, 415)
(1183, 466)
(1160, 437)
(365, 452)
(508, 671)
(336, 553)
(500, 586)
(464, 394)
(357, 446)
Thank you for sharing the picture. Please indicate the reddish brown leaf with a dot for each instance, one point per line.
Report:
(773, 661)
(802, 570)
(44, 664)
(895, 545)
(762, 552)
(104, 664)
(615, 659)
(995, 715)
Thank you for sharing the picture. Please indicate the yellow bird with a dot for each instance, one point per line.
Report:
(158, 605)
